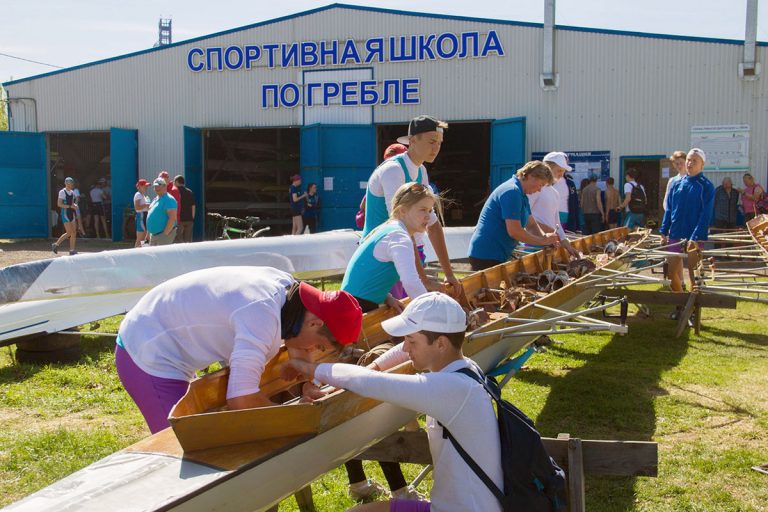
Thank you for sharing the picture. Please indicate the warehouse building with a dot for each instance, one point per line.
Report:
(323, 92)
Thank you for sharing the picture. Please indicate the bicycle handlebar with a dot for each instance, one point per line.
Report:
(247, 220)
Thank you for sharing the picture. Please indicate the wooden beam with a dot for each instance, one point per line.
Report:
(671, 298)
(618, 458)
(576, 496)
(685, 314)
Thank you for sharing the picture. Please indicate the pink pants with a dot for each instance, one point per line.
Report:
(408, 506)
(155, 396)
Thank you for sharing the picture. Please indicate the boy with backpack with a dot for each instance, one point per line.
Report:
(635, 201)
(471, 462)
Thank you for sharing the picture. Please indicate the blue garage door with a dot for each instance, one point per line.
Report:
(24, 194)
(193, 173)
(123, 157)
(507, 149)
(339, 158)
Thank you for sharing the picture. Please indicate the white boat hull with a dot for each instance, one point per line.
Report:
(53, 295)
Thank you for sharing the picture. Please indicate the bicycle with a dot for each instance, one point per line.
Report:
(228, 232)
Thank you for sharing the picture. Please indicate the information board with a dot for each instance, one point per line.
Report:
(585, 164)
(726, 147)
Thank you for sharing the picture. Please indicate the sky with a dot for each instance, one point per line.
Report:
(73, 32)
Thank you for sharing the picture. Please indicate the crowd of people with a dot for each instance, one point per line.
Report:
(162, 220)
(242, 315)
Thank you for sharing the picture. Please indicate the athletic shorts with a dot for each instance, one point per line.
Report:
(408, 506)
(141, 222)
(67, 215)
(675, 246)
(97, 209)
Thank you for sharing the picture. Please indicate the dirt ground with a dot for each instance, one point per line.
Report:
(31, 249)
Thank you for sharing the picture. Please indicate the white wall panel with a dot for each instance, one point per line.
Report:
(630, 95)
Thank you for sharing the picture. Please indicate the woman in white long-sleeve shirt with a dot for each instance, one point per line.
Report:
(433, 326)
(387, 254)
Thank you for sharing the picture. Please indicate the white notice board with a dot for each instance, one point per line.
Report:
(726, 146)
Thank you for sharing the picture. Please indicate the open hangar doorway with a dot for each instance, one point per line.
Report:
(461, 172)
(654, 173)
(84, 156)
(247, 173)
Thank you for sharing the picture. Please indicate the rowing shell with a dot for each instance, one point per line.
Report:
(53, 295)
(232, 459)
(758, 228)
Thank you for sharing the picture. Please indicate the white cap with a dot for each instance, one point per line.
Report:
(433, 311)
(697, 151)
(559, 158)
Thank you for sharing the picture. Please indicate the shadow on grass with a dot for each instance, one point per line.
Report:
(94, 348)
(611, 397)
(761, 340)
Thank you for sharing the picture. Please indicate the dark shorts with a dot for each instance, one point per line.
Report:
(366, 305)
(408, 506)
(67, 215)
(613, 217)
(141, 222)
(97, 209)
(482, 264)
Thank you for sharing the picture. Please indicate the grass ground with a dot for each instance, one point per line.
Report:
(702, 398)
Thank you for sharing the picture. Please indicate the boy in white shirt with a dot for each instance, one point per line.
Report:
(433, 325)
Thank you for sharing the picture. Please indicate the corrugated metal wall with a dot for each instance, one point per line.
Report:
(628, 94)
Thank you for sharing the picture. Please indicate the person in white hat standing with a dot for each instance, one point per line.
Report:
(434, 326)
(691, 202)
(161, 219)
(546, 204)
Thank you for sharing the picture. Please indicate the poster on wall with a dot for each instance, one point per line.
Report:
(586, 164)
(726, 146)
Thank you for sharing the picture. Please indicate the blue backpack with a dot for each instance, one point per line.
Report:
(533, 481)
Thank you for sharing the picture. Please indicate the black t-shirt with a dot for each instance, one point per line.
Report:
(187, 202)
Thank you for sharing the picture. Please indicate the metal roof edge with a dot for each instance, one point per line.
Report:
(648, 35)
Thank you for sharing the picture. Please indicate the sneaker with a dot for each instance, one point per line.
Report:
(367, 490)
(408, 493)
(675, 314)
(72, 253)
(55, 248)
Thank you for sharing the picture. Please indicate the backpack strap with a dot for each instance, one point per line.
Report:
(482, 475)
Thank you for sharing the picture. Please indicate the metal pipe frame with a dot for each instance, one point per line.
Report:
(591, 324)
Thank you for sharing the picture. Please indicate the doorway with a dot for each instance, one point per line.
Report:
(84, 156)
(654, 172)
(460, 172)
(247, 173)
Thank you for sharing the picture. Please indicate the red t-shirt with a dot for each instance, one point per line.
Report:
(177, 196)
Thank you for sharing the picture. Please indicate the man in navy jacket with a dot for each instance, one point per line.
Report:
(691, 200)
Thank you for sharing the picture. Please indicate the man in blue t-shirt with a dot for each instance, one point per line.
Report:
(506, 218)
(161, 220)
